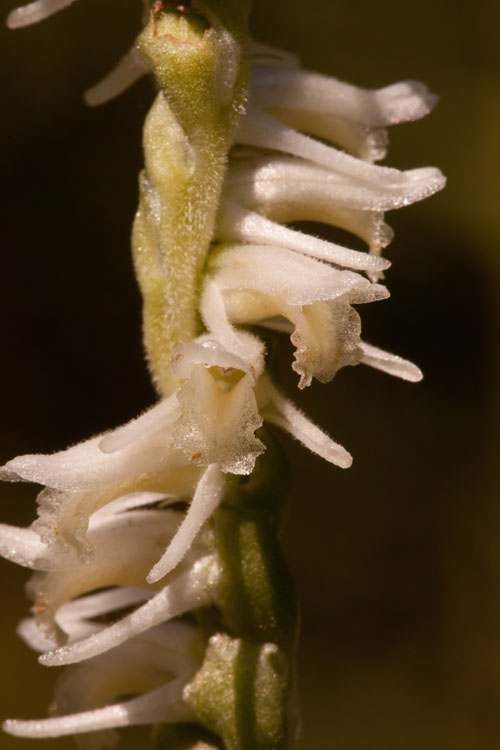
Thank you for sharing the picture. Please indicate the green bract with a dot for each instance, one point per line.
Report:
(241, 693)
(199, 61)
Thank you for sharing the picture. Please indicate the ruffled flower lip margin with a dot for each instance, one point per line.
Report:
(108, 516)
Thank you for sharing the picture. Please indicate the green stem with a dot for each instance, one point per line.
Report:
(243, 690)
(200, 62)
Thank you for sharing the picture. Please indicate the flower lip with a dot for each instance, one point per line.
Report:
(208, 352)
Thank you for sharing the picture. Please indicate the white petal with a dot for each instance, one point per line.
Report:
(125, 548)
(101, 603)
(246, 346)
(35, 12)
(322, 119)
(22, 546)
(263, 130)
(206, 499)
(258, 180)
(264, 54)
(141, 665)
(164, 704)
(190, 590)
(140, 448)
(321, 95)
(287, 189)
(31, 634)
(277, 323)
(236, 224)
(154, 419)
(404, 101)
(390, 363)
(64, 516)
(130, 68)
(284, 414)
(127, 502)
(276, 271)
(73, 618)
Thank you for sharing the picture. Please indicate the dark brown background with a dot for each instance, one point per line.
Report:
(396, 560)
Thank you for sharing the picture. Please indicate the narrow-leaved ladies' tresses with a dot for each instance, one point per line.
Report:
(157, 570)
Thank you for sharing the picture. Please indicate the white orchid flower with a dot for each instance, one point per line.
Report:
(128, 537)
(263, 282)
(164, 450)
(155, 667)
(78, 618)
(284, 174)
(184, 445)
(85, 477)
(323, 106)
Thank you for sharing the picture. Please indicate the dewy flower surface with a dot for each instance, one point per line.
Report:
(157, 567)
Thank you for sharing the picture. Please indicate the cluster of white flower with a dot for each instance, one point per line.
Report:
(121, 511)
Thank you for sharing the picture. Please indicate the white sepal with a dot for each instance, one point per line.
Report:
(392, 364)
(130, 68)
(22, 546)
(280, 411)
(264, 131)
(26, 15)
(157, 664)
(207, 497)
(187, 591)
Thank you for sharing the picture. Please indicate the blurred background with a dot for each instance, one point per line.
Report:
(396, 561)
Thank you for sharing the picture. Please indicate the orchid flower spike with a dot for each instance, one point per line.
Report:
(157, 570)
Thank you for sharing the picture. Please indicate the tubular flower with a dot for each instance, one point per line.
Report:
(155, 551)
